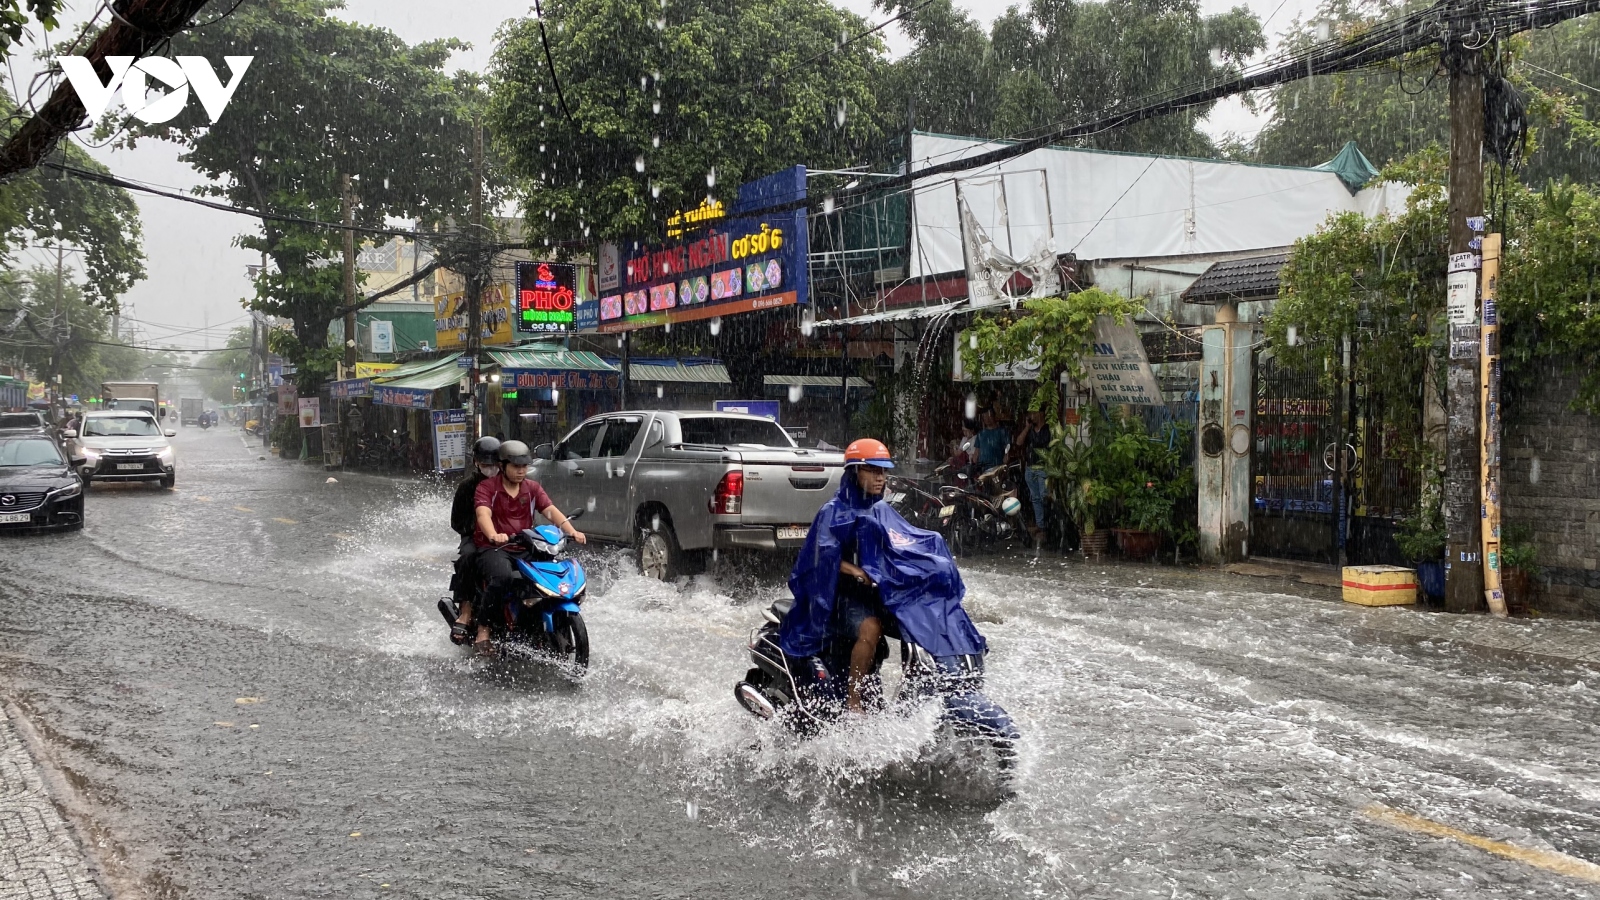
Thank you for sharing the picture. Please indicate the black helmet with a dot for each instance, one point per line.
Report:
(515, 452)
(485, 451)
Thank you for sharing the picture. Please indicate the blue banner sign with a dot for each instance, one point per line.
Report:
(561, 379)
(353, 387)
(767, 408)
(409, 398)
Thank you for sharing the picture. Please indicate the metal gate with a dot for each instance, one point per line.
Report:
(1298, 464)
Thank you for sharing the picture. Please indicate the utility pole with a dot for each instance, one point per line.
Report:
(1462, 518)
(349, 276)
(476, 275)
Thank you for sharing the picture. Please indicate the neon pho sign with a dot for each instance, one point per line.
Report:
(546, 293)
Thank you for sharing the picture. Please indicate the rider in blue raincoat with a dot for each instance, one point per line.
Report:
(863, 562)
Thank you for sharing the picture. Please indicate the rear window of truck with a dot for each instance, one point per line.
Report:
(727, 432)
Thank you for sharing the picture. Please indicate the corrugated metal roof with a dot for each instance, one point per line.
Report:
(675, 371)
(550, 357)
(819, 381)
(1238, 280)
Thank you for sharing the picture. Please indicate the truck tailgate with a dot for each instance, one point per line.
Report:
(787, 487)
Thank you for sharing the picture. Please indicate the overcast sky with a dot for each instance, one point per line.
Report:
(191, 297)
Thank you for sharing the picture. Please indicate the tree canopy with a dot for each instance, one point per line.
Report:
(65, 333)
(661, 105)
(325, 98)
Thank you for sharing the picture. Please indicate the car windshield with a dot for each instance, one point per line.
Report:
(29, 452)
(120, 426)
(726, 431)
(21, 420)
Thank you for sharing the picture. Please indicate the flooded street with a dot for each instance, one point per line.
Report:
(250, 694)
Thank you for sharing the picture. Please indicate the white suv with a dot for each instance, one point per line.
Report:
(125, 445)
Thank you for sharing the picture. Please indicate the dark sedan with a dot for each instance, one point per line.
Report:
(38, 488)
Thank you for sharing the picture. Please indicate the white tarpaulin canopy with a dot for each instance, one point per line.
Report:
(1103, 205)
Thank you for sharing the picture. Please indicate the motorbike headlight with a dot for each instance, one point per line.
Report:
(67, 493)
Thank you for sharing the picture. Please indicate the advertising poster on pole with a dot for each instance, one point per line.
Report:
(310, 412)
(450, 439)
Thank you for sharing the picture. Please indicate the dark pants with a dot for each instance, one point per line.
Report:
(465, 584)
(497, 573)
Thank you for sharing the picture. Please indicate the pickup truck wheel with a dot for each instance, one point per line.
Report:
(659, 556)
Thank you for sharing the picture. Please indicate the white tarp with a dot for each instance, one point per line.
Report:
(1103, 205)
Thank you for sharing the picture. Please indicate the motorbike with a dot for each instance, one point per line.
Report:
(204, 421)
(988, 509)
(543, 611)
(806, 694)
(253, 426)
(919, 505)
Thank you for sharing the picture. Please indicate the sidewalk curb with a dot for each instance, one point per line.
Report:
(43, 838)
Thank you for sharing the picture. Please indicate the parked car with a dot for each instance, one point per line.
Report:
(23, 421)
(38, 487)
(126, 445)
(678, 485)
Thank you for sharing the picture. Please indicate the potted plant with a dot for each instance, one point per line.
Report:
(1073, 474)
(1518, 566)
(1150, 481)
(1146, 517)
(1421, 541)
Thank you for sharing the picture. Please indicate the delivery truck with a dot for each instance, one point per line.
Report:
(145, 395)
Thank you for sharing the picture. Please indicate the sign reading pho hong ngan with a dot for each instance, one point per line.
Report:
(721, 262)
(1119, 371)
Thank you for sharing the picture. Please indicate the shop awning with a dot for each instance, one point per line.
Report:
(431, 380)
(412, 385)
(679, 371)
(816, 381)
(550, 358)
(416, 367)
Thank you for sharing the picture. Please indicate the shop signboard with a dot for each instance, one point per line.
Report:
(766, 408)
(350, 388)
(546, 294)
(610, 274)
(374, 370)
(310, 410)
(586, 315)
(275, 373)
(720, 263)
(380, 333)
(561, 379)
(494, 325)
(449, 440)
(1119, 371)
(409, 398)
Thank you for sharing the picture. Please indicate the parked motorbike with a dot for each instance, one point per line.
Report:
(806, 694)
(920, 505)
(988, 509)
(253, 426)
(542, 613)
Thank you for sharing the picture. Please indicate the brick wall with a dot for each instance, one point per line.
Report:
(1551, 472)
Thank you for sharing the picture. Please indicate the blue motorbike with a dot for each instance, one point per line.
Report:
(807, 693)
(542, 612)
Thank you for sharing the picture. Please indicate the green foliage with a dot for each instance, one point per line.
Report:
(17, 15)
(1054, 62)
(1057, 331)
(69, 335)
(326, 98)
(705, 95)
(221, 380)
(1517, 550)
(1120, 475)
(1422, 537)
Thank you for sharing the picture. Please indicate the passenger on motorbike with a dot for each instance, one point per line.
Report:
(486, 464)
(505, 506)
(850, 605)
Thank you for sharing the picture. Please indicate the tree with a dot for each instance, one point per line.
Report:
(1063, 61)
(226, 377)
(325, 98)
(1058, 332)
(654, 107)
(64, 332)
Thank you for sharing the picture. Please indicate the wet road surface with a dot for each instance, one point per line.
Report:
(247, 686)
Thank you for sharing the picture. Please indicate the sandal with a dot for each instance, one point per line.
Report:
(459, 634)
(484, 647)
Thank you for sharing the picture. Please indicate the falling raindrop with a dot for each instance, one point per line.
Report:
(711, 178)
(386, 182)
(1217, 57)
(589, 506)
(667, 328)
(661, 24)
(827, 205)
(541, 148)
(971, 409)
(972, 340)
(656, 107)
(694, 811)
(716, 326)
(840, 116)
(660, 391)
(656, 141)
(638, 163)
(656, 76)
(796, 392)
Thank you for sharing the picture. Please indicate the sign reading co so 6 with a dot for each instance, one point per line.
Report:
(178, 75)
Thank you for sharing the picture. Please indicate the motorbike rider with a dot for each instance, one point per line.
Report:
(486, 464)
(504, 506)
(844, 597)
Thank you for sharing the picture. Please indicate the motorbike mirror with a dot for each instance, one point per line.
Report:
(573, 516)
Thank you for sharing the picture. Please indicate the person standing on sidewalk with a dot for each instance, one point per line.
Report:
(1031, 443)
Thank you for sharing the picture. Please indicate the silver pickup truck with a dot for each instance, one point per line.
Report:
(677, 485)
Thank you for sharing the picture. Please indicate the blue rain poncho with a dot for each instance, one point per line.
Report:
(916, 577)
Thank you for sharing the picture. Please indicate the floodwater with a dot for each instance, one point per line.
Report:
(250, 694)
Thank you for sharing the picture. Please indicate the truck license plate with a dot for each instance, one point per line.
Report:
(129, 467)
(14, 518)
(792, 532)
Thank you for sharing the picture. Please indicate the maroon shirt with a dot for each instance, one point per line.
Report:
(510, 515)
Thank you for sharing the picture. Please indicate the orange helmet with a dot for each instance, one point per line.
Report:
(868, 451)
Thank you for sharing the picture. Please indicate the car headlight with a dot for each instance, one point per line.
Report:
(90, 454)
(165, 454)
(67, 493)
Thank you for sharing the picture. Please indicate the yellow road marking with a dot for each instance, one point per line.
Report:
(203, 499)
(1560, 863)
(284, 521)
(244, 509)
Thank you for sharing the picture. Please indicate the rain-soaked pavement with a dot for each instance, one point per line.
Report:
(247, 688)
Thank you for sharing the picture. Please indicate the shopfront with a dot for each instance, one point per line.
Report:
(546, 389)
(394, 428)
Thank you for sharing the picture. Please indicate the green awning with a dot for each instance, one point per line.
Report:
(418, 367)
(703, 373)
(432, 380)
(550, 358)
